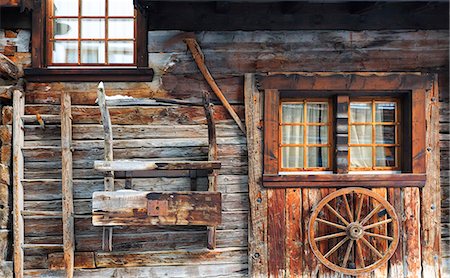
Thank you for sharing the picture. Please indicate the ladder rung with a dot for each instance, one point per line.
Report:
(47, 119)
(42, 246)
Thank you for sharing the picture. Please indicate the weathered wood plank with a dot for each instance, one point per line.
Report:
(67, 185)
(133, 165)
(276, 232)
(271, 125)
(81, 260)
(130, 207)
(8, 68)
(294, 233)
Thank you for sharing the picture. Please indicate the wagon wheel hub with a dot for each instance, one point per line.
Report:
(355, 231)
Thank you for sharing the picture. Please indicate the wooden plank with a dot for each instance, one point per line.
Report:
(412, 232)
(133, 165)
(271, 126)
(81, 260)
(128, 207)
(276, 232)
(18, 139)
(419, 126)
(294, 233)
(396, 267)
(67, 184)
(8, 68)
(341, 134)
(431, 193)
(257, 241)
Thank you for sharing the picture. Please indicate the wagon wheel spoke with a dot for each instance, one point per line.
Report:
(377, 224)
(359, 253)
(331, 236)
(380, 236)
(359, 208)
(372, 213)
(371, 247)
(336, 247)
(347, 207)
(331, 223)
(337, 214)
(347, 253)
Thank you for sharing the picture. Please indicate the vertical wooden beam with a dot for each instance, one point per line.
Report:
(276, 232)
(257, 226)
(18, 164)
(67, 184)
(294, 235)
(431, 193)
(213, 155)
(109, 176)
(271, 126)
(341, 134)
(38, 34)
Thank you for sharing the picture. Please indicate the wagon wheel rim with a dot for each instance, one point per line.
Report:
(354, 231)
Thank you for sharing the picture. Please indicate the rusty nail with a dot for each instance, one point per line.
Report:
(256, 255)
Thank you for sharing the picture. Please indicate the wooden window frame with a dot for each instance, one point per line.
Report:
(415, 84)
(39, 72)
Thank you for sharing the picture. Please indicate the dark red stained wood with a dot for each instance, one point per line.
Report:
(141, 38)
(38, 35)
(276, 232)
(294, 233)
(271, 121)
(396, 262)
(419, 131)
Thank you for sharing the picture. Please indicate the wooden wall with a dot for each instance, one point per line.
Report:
(151, 132)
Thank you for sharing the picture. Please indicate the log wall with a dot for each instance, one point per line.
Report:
(146, 132)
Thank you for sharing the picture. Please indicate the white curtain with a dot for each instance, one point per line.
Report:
(361, 157)
(292, 157)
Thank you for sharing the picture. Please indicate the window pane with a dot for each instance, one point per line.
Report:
(317, 112)
(120, 8)
(93, 7)
(93, 52)
(318, 157)
(385, 134)
(385, 112)
(360, 112)
(385, 157)
(120, 52)
(361, 134)
(292, 134)
(292, 113)
(292, 157)
(92, 28)
(65, 28)
(65, 52)
(65, 7)
(121, 28)
(361, 157)
(317, 134)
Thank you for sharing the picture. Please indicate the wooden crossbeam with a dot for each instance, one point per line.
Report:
(134, 165)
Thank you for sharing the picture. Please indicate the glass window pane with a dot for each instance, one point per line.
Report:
(318, 157)
(360, 112)
(93, 7)
(120, 8)
(292, 157)
(361, 134)
(92, 28)
(385, 134)
(317, 112)
(385, 112)
(120, 52)
(93, 52)
(292, 134)
(292, 113)
(121, 28)
(65, 52)
(65, 7)
(64, 28)
(360, 157)
(385, 157)
(317, 134)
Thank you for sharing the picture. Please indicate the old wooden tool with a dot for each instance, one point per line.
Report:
(353, 231)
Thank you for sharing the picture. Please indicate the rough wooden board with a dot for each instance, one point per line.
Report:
(8, 68)
(130, 207)
(276, 232)
(294, 233)
(81, 260)
(133, 165)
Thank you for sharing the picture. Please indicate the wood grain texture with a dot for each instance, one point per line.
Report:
(271, 126)
(294, 233)
(276, 232)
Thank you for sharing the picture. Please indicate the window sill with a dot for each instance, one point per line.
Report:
(344, 180)
(89, 75)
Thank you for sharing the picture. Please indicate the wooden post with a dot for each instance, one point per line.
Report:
(212, 156)
(109, 176)
(18, 164)
(257, 222)
(67, 184)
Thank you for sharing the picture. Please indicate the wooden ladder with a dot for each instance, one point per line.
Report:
(19, 214)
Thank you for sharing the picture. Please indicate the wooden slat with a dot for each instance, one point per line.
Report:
(8, 68)
(276, 232)
(67, 184)
(81, 260)
(133, 165)
(18, 164)
(341, 134)
(294, 233)
(128, 207)
(257, 241)
(419, 131)
(39, 119)
(271, 125)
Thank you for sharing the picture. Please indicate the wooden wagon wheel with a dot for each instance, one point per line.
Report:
(353, 231)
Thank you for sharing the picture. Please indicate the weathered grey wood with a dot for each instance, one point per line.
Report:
(67, 184)
(257, 222)
(108, 155)
(8, 68)
(39, 119)
(43, 246)
(133, 165)
(129, 207)
(130, 101)
(18, 173)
